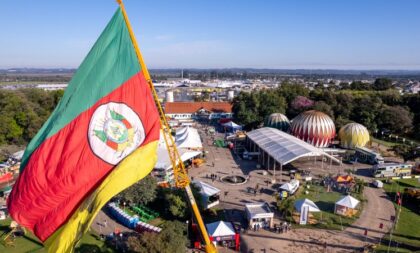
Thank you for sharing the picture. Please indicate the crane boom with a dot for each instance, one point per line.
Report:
(180, 174)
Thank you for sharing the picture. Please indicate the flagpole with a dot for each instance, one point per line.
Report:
(183, 177)
(133, 39)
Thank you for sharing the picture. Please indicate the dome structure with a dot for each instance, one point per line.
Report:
(279, 121)
(314, 127)
(353, 135)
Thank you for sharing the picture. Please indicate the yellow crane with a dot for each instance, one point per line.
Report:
(181, 177)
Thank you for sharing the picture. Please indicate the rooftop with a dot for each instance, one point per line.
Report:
(192, 107)
(258, 208)
(283, 147)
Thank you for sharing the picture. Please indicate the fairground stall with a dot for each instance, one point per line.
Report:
(223, 234)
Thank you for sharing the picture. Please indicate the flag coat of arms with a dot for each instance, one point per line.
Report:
(100, 139)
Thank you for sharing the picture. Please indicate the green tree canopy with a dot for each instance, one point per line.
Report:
(408, 153)
(142, 192)
(382, 84)
(171, 239)
(397, 119)
(324, 107)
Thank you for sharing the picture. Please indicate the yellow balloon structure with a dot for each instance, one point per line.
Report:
(353, 135)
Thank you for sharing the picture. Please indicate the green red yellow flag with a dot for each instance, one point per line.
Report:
(100, 139)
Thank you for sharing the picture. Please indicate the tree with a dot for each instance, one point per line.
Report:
(291, 91)
(344, 105)
(142, 192)
(397, 119)
(176, 205)
(245, 109)
(299, 104)
(270, 102)
(382, 84)
(408, 153)
(324, 107)
(390, 97)
(171, 239)
(359, 85)
(250, 109)
(10, 131)
(23, 113)
(366, 110)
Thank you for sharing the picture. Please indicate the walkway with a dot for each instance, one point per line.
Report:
(104, 224)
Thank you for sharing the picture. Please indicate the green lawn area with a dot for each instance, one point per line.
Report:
(384, 249)
(327, 219)
(384, 143)
(408, 228)
(29, 243)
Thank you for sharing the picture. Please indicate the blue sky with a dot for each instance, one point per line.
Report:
(345, 34)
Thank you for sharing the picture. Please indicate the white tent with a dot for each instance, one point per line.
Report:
(220, 228)
(287, 187)
(299, 204)
(18, 155)
(188, 137)
(206, 189)
(378, 184)
(346, 206)
(209, 194)
(188, 143)
(181, 131)
(347, 201)
(232, 125)
(164, 161)
(290, 187)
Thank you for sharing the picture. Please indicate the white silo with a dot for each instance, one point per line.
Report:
(169, 96)
(230, 94)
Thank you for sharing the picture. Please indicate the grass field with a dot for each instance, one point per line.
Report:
(327, 219)
(384, 143)
(29, 243)
(407, 230)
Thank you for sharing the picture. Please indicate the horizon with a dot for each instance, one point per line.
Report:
(302, 35)
(231, 68)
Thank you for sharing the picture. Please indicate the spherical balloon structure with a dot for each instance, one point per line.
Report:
(314, 127)
(353, 135)
(279, 121)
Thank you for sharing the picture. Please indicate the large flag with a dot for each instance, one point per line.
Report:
(101, 138)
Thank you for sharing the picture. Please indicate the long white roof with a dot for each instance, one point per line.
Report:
(283, 147)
